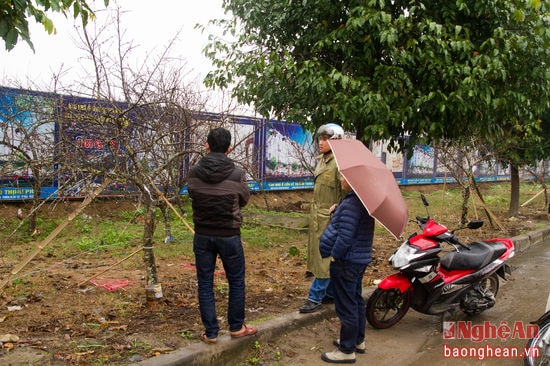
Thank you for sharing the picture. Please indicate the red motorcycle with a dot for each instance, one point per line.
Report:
(435, 283)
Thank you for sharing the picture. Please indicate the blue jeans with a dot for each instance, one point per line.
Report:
(346, 279)
(320, 287)
(230, 250)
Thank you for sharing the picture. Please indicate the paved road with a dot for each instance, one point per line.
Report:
(520, 300)
(417, 339)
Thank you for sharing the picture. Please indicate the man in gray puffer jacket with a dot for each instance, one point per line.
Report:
(218, 190)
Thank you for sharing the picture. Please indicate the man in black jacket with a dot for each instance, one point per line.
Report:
(218, 190)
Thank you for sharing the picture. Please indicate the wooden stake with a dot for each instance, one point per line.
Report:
(41, 245)
(490, 213)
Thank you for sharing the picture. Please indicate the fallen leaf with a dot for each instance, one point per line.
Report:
(4, 338)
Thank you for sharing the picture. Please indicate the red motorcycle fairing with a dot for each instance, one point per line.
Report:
(396, 280)
(422, 242)
(434, 229)
(508, 243)
(451, 276)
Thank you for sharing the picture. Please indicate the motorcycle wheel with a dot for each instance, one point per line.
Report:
(537, 350)
(489, 284)
(387, 307)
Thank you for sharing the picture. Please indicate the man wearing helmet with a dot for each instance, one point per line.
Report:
(327, 192)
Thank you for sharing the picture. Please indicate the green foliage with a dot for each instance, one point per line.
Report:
(14, 15)
(293, 251)
(430, 70)
(223, 289)
(45, 227)
(256, 355)
(268, 236)
(87, 244)
(84, 224)
(110, 237)
(131, 215)
(187, 335)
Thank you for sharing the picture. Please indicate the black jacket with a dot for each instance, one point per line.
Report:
(218, 190)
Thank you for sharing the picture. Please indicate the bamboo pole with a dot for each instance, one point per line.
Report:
(490, 213)
(172, 208)
(41, 245)
(137, 250)
(475, 209)
(532, 198)
(110, 267)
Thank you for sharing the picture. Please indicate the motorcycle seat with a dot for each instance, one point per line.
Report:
(479, 255)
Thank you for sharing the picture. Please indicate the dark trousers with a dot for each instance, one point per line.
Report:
(230, 250)
(346, 279)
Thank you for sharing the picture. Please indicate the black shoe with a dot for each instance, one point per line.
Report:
(310, 307)
(328, 300)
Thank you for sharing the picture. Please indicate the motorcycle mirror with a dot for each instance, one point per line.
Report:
(475, 224)
(426, 204)
(424, 200)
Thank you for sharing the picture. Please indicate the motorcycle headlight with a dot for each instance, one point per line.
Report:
(403, 256)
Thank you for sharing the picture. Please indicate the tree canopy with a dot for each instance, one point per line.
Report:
(14, 17)
(425, 69)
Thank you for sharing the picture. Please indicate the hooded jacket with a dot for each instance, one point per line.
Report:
(218, 190)
(349, 235)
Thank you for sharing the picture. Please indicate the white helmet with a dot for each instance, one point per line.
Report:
(331, 131)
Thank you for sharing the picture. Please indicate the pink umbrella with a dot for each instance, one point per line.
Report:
(373, 183)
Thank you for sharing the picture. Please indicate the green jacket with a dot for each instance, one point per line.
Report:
(326, 192)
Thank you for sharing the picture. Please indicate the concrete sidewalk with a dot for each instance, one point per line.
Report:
(228, 349)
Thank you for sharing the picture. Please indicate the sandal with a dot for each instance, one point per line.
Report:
(207, 340)
(246, 330)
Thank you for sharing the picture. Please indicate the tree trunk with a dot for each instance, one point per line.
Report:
(148, 253)
(166, 216)
(32, 220)
(36, 201)
(514, 191)
(465, 200)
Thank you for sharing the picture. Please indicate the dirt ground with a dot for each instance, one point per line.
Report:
(96, 324)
